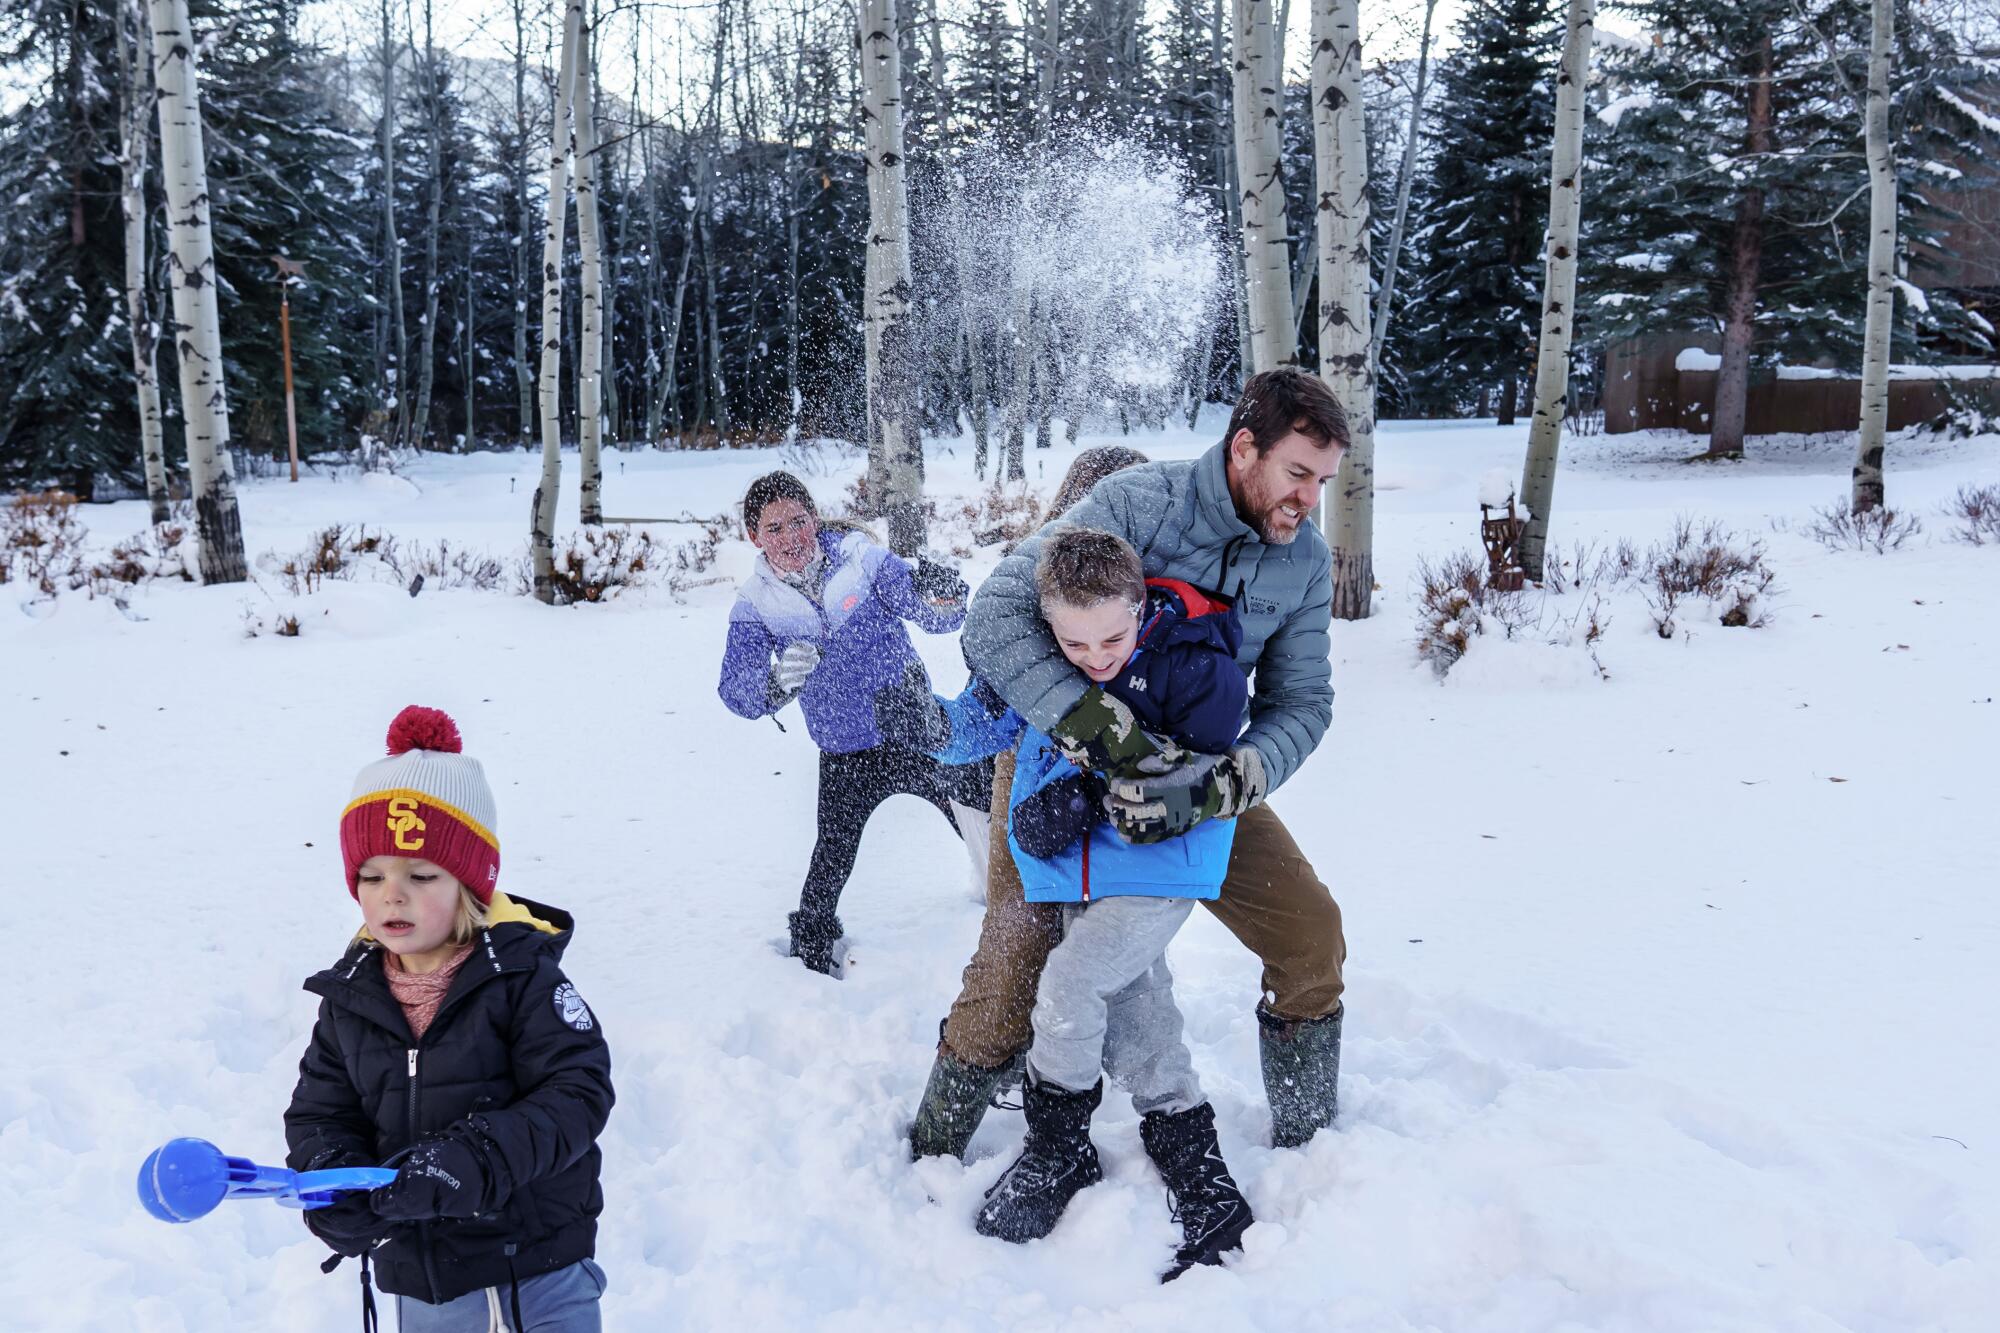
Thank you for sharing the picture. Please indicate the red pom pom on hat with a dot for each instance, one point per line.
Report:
(420, 728)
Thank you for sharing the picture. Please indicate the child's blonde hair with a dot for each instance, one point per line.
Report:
(466, 923)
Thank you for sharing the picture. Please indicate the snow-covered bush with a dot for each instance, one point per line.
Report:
(335, 552)
(1456, 605)
(1976, 510)
(1881, 529)
(41, 543)
(165, 551)
(1714, 566)
(597, 563)
(419, 566)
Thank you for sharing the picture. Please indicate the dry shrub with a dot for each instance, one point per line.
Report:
(41, 543)
(1976, 510)
(1450, 597)
(334, 553)
(1711, 564)
(597, 562)
(1881, 529)
(162, 551)
(439, 567)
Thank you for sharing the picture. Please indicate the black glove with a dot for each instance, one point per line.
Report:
(443, 1176)
(939, 583)
(907, 713)
(1058, 816)
(348, 1225)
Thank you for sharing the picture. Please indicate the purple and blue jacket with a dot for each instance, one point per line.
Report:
(858, 627)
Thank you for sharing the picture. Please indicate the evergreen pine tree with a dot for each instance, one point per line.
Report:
(69, 414)
(1476, 279)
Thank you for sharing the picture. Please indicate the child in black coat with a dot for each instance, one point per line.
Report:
(451, 1046)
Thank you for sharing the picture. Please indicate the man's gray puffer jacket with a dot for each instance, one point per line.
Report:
(1184, 525)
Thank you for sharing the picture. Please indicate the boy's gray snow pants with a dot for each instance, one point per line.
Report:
(1106, 1001)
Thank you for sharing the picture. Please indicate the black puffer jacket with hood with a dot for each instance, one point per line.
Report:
(514, 1064)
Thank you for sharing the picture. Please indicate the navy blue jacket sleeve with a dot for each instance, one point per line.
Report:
(564, 1066)
(1206, 698)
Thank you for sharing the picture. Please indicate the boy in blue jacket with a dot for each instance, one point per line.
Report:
(1105, 999)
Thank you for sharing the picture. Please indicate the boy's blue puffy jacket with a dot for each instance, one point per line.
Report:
(1183, 682)
(858, 626)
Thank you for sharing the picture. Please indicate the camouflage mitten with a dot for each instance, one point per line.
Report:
(1101, 734)
(1206, 787)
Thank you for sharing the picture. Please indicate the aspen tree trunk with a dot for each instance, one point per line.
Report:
(541, 535)
(197, 324)
(1051, 57)
(1385, 295)
(135, 99)
(895, 424)
(396, 396)
(1020, 334)
(524, 379)
(590, 341)
(467, 353)
(1538, 477)
(1258, 122)
(711, 273)
(1868, 490)
(1340, 148)
(1746, 256)
(610, 266)
(433, 205)
(669, 400)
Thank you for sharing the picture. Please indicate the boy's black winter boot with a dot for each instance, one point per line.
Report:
(1212, 1212)
(955, 1101)
(1057, 1161)
(1301, 1059)
(815, 941)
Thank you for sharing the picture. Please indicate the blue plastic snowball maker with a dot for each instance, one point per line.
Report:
(186, 1178)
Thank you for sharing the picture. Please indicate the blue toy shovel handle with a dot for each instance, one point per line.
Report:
(317, 1189)
(188, 1178)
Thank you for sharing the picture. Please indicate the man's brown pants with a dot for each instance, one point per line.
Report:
(1271, 901)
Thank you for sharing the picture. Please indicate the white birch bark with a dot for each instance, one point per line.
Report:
(1258, 121)
(197, 328)
(590, 345)
(541, 534)
(433, 208)
(1868, 486)
(1406, 173)
(135, 100)
(524, 379)
(1538, 477)
(396, 397)
(895, 426)
(1340, 149)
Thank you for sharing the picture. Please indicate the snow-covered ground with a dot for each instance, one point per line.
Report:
(1672, 996)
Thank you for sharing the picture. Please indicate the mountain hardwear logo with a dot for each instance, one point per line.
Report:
(403, 820)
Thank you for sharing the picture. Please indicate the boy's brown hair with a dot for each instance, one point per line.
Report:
(1081, 567)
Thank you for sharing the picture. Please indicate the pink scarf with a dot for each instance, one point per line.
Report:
(421, 995)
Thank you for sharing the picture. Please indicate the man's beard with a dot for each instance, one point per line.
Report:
(1262, 520)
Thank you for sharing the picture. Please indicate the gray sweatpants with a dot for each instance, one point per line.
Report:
(1106, 1001)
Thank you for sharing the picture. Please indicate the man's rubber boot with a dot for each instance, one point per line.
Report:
(1055, 1163)
(1212, 1212)
(954, 1103)
(815, 941)
(1301, 1059)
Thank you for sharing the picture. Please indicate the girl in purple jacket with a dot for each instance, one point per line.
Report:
(820, 620)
